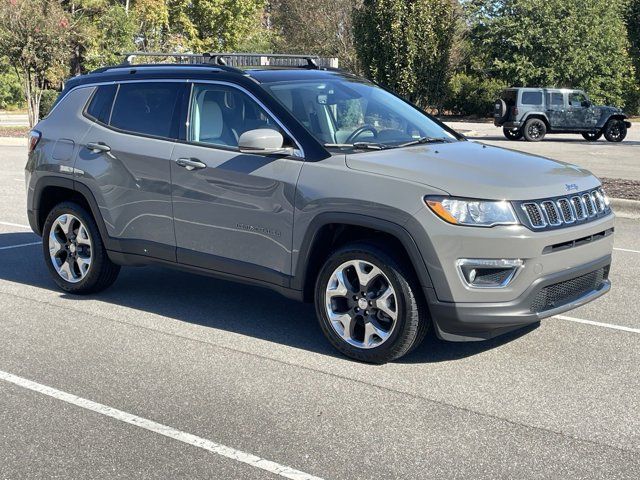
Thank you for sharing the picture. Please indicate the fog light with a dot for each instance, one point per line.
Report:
(488, 273)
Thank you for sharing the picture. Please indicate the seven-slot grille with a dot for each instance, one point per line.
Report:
(564, 211)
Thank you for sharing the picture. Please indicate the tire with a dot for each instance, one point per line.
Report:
(615, 130)
(77, 259)
(534, 130)
(592, 136)
(402, 319)
(500, 110)
(511, 134)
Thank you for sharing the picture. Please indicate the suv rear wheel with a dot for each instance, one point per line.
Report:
(592, 136)
(368, 304)
(512, 134)
(615, 130)
(74, 252)
(534, 130)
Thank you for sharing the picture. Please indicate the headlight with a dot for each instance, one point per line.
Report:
(479, 213)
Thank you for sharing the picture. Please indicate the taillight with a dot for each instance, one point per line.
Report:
(34, 138)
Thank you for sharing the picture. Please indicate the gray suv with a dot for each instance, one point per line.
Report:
(533, 112)
(317, 184)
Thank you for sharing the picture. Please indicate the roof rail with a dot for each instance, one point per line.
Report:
(219, 58)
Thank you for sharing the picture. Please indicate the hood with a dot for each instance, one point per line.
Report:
(469, 169)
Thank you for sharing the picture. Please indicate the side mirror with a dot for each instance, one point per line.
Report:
(586, 104)
(265, 141)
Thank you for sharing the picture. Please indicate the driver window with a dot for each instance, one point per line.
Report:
(219, 114)
(576, 99)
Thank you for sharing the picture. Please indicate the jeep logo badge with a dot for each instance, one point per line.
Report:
(571, 186)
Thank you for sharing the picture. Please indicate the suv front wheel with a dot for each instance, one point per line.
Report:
(615, 130)
(534, 130)
(369, 305)
(74, 252)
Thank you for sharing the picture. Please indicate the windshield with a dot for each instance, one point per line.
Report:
(342, 112)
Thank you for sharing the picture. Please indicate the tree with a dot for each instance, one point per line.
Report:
(406, 44)
(34, 36)
(322, 27)
(559, 43)
(633, 29)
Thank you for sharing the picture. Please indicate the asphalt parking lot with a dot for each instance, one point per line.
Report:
(169, 375)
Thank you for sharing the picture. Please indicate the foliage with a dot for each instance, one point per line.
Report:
(633, 29)
(108, 33)
(559, 43)
(470, 94)
(405, 45)
(34, 36)
(47, 101)
(321, 27)
(11, 96)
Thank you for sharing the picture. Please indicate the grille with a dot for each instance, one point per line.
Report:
(564, 292)
(564, 211)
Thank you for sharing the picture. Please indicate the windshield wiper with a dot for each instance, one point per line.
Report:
(421, 140)
(359, 145)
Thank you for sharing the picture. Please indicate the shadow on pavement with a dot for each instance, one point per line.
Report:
(551, 139)
(214, 303)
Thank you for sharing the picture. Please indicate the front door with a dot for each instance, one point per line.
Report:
(581, 112)
(233, 211)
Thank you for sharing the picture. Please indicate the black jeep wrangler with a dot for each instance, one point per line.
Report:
(533, 112)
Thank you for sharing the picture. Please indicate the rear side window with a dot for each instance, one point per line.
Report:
(99, 107)
(531, 98)
(146, 108)
(556, 98)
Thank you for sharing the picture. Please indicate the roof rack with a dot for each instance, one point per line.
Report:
(220, 58)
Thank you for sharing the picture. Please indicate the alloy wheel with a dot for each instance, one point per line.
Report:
(70, 248)
(361, 304)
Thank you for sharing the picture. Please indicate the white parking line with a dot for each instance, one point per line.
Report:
(20, 245)
(599, 324)
(626, 250)
(193, 440)
(9, 224)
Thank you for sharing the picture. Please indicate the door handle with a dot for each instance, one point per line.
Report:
(191, 163)
(98, 147)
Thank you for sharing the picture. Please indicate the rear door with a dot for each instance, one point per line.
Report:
(233, 211)
(556, 109)
(126, 163)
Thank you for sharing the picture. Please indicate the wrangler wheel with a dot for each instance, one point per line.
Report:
(74, 252)
(534, 130)
(512, 134)
(369, 306)
(615, 130)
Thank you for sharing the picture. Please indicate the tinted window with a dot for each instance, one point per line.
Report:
(509, 96)
(146, 108)
(220, 114)
(556, 99)
(100, 105)
(531, 98)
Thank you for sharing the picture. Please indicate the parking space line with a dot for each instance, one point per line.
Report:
(599, 324)
(140, 422)
(626, 250)
(9, 224)
(20, 245)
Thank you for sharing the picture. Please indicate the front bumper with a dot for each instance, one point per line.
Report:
(481, 321)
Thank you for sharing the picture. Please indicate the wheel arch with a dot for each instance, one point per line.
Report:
(539, 115)
(328, 231)
(614, 116)
(50, 191)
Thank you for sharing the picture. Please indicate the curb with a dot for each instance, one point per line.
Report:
(626, 208)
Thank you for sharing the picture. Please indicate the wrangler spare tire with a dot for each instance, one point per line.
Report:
(500, 110)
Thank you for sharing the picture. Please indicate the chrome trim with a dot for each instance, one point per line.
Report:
(546, 213)
(515, 264)
(572, 217)
(542, 216)
(575, 210)
(587, 197)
